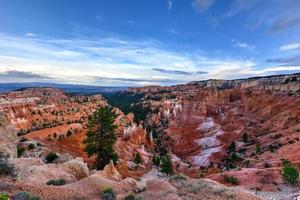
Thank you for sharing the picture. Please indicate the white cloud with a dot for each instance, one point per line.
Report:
(288, 47)
(170, 4)
(30, 35)
(242, 45)
(114, 61)
(202, 5)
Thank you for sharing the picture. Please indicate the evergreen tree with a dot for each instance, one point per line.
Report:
(166, 166)
(101, 137)
(138, 159)
(245, 137)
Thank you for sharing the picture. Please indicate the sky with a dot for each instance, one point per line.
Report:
(142, 42)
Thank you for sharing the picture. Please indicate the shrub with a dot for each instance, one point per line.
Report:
(290, 174)
(31, 146)
(156, 160)
(57, 182)
(26, 196)
(231, 179)
(285, 161)
(23, 139)
(69, 133)
(4, 196)
(166, 166)
(137, 159)
(51, 157)
(6, 168)
(267, 165)
(245, 137)
(109, 194)
(257, 147)
(232, 147)
(129, 197)
(20, 151)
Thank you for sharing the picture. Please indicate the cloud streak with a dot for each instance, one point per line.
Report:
(170, 4)
(272, 15)
(288, 47)
(243, 45)
(178, 72)
(201, 6)
(10, 75)
(288, 61)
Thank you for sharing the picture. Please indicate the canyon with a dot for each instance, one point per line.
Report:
(211, 129)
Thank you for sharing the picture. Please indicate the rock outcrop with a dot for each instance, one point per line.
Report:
(8, 139)
(111, 172)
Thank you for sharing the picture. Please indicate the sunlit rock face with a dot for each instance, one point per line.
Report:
(8, 138)
(206, 117)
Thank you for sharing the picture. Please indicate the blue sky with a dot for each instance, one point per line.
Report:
(142, 42)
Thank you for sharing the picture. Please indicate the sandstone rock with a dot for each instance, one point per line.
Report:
(64, 158)
(8, 139)
(35, 171)
(111, 172)
(76, 167)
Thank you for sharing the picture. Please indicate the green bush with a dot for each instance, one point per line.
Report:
(31, 146)
(129, 197)
(290, 174)
(51, 157)
(6, 168)
(245, 137)
(57, 182)
(166, 166)
(23, 139)
(231, 179)
(69, 133)
(258, 148)
(20, 151)
(156, 160)
(26, 196)
(4, 196)
(137, 159)
(109, 194)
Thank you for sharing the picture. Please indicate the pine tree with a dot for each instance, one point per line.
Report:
(166, 166)
(101, 137)
(138, 159)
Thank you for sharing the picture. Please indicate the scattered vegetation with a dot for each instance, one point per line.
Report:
(156, 160)
(26, 196)
(23, 139)
(233, 157)
(267, 165)
(258, 148)
(108, 194)
(230, 179)
(137, 159)
(56, 182)
(51, 156)
(101, 137)
(290, 174)
(166, 166)
(69, 133)
(245, 137)
(4, 196)
(6, 168)
(20, 151)
(129, 103)
(130, 197)
(31, 146)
